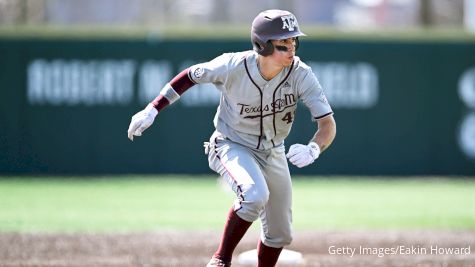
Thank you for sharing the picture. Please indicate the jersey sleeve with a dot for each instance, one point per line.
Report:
(214, 71)
(313, 96)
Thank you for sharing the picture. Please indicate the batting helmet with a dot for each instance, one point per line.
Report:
(270, 25)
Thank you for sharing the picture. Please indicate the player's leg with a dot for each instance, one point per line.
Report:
(238, 167)
(267, 256)
(234, 230)
(276, 217)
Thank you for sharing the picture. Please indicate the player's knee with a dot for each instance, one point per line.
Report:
(253, 202)
(257, 200)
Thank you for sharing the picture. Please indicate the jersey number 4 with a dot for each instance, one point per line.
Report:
(288, 117)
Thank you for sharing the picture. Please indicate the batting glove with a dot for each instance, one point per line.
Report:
(141, 121)
(303, 155)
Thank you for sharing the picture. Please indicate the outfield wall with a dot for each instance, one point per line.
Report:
(402, 108)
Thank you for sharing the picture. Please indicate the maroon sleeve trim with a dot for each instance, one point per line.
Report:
(182, 82)
(160, 102)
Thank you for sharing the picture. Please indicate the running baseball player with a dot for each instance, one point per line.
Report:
(260, 90)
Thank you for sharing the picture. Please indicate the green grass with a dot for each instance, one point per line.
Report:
(389, 203)
(142, 203)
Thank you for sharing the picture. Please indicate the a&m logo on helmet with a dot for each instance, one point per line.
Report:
(289, 22)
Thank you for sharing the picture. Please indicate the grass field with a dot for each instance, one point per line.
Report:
(144, 203)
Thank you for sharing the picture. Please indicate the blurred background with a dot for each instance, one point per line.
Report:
(400, 75)
(347, 14)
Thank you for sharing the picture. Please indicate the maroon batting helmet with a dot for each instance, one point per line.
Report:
(270, 25)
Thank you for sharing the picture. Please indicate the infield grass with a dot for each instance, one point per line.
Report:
(144, 203)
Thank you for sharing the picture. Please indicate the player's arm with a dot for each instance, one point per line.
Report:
(214, 71)
(326, 132)
(170, 93)
(314, 98)
(303, 155)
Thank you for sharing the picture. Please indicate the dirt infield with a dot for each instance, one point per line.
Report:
(187, 248)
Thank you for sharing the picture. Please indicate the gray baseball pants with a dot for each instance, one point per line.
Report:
(262, 183)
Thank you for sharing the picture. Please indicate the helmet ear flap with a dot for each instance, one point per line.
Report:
(264, 49)
(268, 49)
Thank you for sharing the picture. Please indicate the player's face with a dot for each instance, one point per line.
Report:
(284, 51)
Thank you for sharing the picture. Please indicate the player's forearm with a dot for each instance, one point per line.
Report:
(326, 132)
(173, 90)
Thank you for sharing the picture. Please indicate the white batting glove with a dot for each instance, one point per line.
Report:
(141, 121)
(303, 155)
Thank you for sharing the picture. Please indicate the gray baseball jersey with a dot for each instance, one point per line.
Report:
(253, 119)
(256, 112)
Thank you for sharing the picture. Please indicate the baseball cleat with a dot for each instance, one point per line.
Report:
(215, 262)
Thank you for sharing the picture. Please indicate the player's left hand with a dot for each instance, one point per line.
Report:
(303, 155)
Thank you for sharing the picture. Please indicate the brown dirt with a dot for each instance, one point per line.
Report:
(193, 248)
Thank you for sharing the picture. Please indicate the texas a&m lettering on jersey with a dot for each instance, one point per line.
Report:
(278, 106)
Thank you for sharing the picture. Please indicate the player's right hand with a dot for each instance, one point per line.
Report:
(141, 121)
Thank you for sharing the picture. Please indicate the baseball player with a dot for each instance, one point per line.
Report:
(260, 90)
